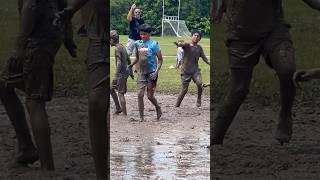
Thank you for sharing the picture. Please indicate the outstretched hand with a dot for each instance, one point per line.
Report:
(62, 16)
(306, 75)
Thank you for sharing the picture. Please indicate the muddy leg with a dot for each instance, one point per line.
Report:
(182, 93)
(153, 100)
(141, 103)
(239, 88)
(41, 131)
(123, 103)
(27, 152)
(198, 80)
(98, 119)
(283, 63)
(116, 101)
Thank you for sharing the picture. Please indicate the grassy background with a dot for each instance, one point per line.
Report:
(305, 33)
(169, 79)
(70, 73)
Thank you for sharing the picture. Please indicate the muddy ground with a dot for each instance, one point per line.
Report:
(173, 147)
(250, 152)
(69, 135)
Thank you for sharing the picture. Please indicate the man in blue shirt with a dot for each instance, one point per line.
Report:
(149, 57)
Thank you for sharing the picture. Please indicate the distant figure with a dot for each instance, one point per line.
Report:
(135, 20)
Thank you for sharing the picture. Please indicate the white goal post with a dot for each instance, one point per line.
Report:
(172, 25)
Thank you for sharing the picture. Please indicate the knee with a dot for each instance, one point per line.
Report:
(284, 55)
(150, 95)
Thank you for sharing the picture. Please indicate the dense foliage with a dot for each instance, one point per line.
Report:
(196, 13)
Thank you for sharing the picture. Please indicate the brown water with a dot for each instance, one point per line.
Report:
(172, 148)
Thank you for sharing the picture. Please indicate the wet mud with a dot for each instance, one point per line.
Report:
(69, 137)
(173, 147)
(250, 152)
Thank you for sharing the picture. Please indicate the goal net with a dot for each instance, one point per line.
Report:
(172, 26)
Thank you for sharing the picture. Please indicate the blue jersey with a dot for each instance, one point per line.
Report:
(147, 55)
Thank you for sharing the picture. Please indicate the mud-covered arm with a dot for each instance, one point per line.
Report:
(67, 13)
(26, 26)
(118, 62)
(159, 64)
(305, 75)
(315, 4)
(204, 57)
(181, 44)
(68, 41)
(135, 61)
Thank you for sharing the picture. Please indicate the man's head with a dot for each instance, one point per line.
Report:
(114, 37)
(137, 13)
(145, 32)
(196, 36)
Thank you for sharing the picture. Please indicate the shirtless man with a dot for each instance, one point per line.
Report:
(189, 66)
(122, 73)
(30, 69)
(98, 66)
(256, 28)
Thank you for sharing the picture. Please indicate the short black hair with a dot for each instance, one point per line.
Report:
(145, 28)
(196, 31)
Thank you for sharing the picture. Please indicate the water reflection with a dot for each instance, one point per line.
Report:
(176, 154)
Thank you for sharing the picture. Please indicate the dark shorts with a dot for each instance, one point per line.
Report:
(196, 78)
(34, 75)
(246, 54)
(144, 80)
(98, 65)
(120, 84)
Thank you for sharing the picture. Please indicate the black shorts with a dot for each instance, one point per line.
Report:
(246, 54)
(34, 74)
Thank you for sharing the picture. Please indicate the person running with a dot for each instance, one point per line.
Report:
(190, 68)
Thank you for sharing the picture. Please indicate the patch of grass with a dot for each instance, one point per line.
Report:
(169, 79)
(70, 74)
(264, 85)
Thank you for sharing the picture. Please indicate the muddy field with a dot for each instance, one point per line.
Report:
(172, 148)
(250, 152)
(69, 135)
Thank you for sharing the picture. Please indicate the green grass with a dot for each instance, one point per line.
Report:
(169, 79)
(70, 74)
(305, 33)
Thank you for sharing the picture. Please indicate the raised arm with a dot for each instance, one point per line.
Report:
(315, 4)
(129, 16)
(181, 44)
